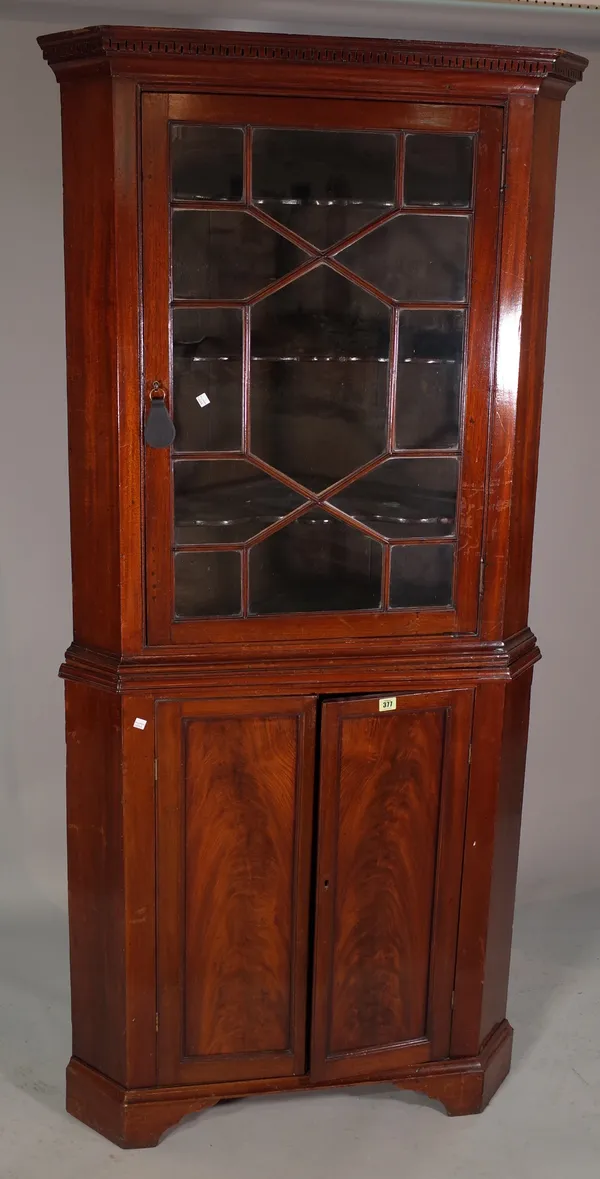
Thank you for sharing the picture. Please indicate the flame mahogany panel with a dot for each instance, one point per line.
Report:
(392, 808)
(234, 827)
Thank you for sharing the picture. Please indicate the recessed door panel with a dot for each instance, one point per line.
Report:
(392, 804)
(234, 816)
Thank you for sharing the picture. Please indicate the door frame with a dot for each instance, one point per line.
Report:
(486, 122)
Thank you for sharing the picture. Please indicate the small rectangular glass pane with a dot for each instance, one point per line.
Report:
(438, 170)
(421, 575)
(316, 563)
(324, 185)
(207, 379)
(225, 501)
(207, 163)
(208, 584)
(219, 254)
(430, 355)
(415, 257)
(405, 497)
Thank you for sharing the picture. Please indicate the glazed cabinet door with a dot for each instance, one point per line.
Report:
(234, 815)
(319, 281)
(393, 788)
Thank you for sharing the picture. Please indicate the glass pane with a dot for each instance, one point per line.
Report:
(315, 563)
(324, 185)
(207, 379)
(438, 170)
(405, 497)
(207, 163)
(223, 501)
(319, 378)
(207, 584)
(414, 257)
(421, 575)
(430, 352)
(227, 255)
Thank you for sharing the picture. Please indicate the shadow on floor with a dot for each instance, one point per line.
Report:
(35, 1033)
(553, 940)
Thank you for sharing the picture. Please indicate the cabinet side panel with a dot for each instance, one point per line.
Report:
(533, 351)
(505, 388)
(95, 867)
(532, 142)
(87, 128)
(506, 852)
(490, 864)
(128, 323)
(139, 878)
(477, 868)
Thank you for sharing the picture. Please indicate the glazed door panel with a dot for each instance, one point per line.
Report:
(319, 281)
(235, 785)
(391, 827)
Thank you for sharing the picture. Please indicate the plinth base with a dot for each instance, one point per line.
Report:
(139, 1117)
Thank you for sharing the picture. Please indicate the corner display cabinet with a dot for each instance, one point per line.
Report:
(307, 285)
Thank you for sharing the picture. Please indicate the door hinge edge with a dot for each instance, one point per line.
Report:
(156, 1021)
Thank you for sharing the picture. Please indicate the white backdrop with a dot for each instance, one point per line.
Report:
(562, 810)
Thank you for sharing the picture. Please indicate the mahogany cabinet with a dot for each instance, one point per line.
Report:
(307, 284)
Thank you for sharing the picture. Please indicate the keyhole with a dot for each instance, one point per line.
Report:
(326, 883)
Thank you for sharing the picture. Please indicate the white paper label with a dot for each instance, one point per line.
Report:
(203, 400)
(139, 723)
(387, 704)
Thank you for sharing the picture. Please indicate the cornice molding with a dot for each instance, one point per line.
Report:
(113, 41)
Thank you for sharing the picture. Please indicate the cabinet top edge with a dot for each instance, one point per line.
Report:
(121, 41)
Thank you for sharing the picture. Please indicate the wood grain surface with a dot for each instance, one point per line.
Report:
(389, 798)
(390, 795)
(235, 811)
(240, 788)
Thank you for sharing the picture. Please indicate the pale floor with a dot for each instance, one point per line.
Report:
(543, 1122)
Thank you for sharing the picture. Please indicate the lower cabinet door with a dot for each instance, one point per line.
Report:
(234, 817)
(392, 807)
